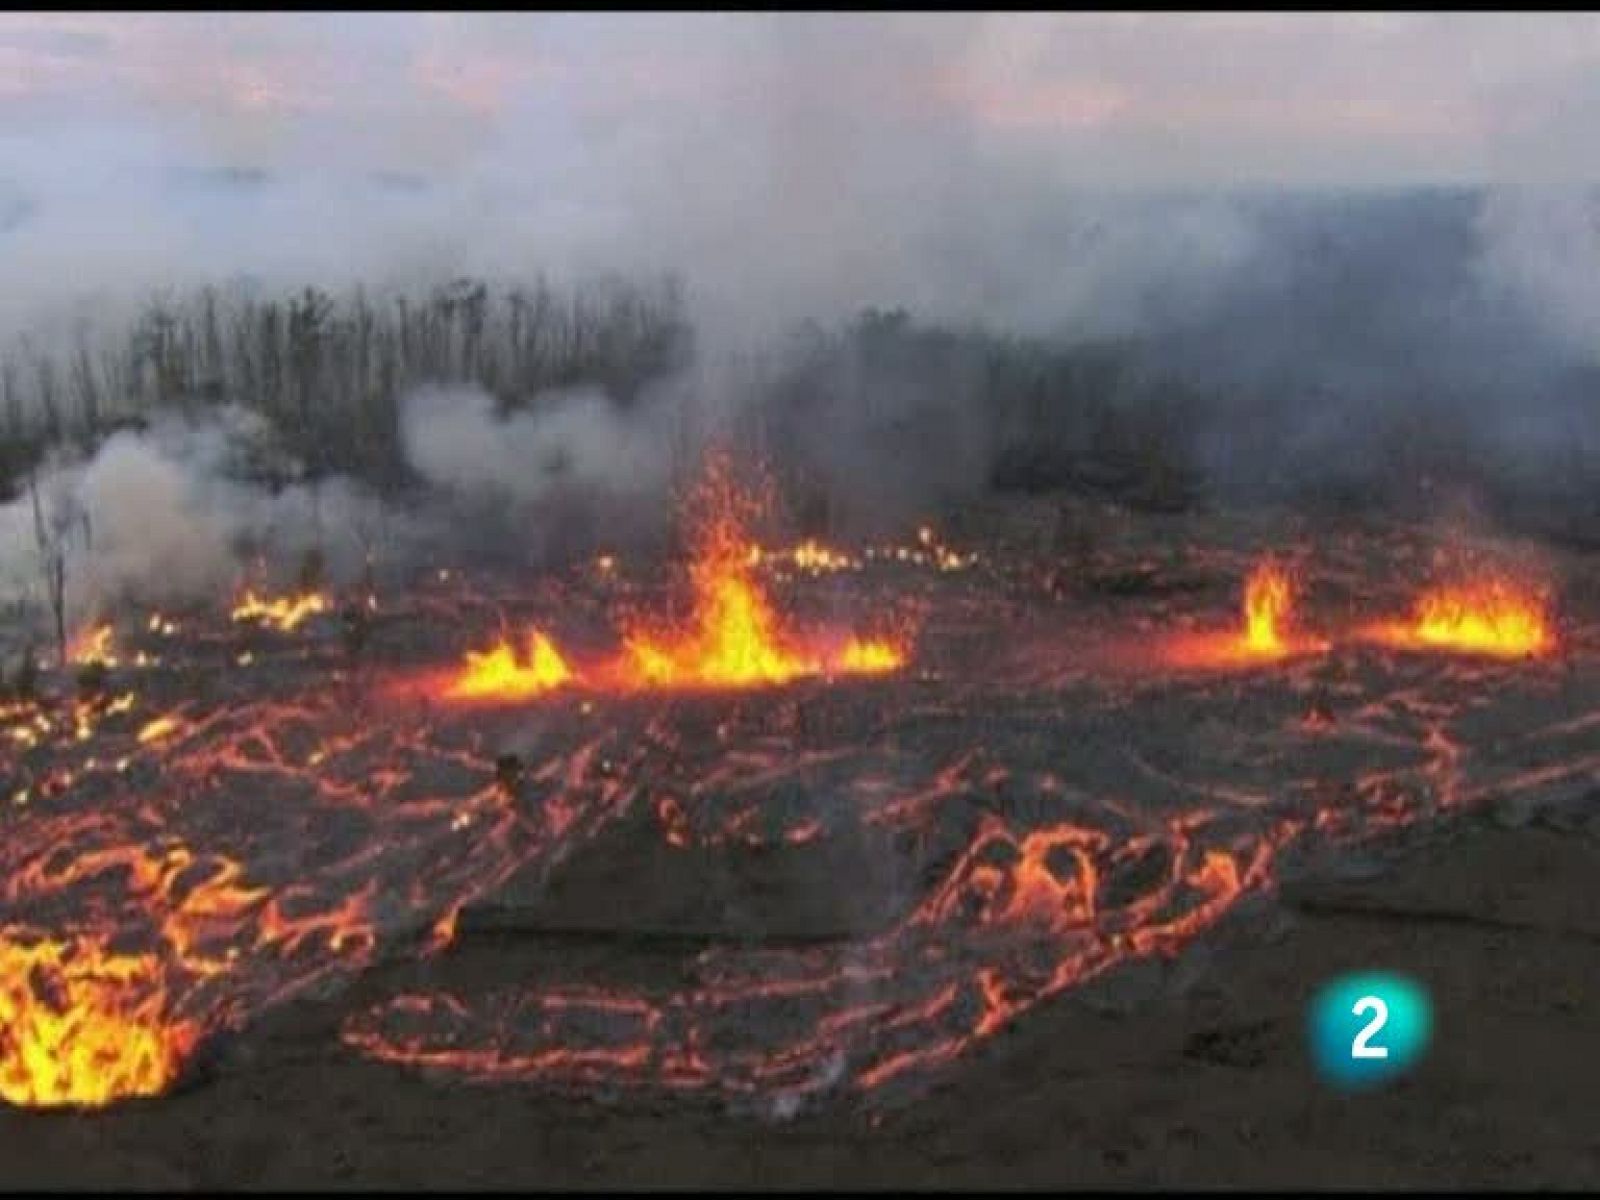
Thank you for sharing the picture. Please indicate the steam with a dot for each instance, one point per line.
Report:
(455, 438)
(1266, 249)
(163, 516)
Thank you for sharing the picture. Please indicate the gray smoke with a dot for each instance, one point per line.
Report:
(168, 515)
(1264, 254)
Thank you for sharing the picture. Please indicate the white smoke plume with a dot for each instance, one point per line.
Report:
(163, 516)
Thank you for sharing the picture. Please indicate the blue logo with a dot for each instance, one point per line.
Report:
(1369, 1028)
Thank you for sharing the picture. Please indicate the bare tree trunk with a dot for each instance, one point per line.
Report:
(53, 565)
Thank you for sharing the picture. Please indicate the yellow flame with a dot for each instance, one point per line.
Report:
(284, 612)
(161, 727)
(83, 1026)
(734, 637)
(93, 646)
(1492, 616)
(500, 673)
(1266, 608)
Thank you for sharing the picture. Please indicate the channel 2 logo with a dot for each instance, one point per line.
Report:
(1369, 1028)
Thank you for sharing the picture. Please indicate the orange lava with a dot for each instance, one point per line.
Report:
(284, 613)
(83, 1026)
(501, 674)
(1495, 616)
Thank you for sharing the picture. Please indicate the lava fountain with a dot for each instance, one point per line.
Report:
(1495, 615)
(501, 673)
(1266, 609)
(733, 637)
(1266, 633)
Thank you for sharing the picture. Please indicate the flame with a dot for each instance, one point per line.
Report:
(284, 612)
(1266, 608)
(499, 673)
(734, 637)
(1493, 615)
(864, 656)
(160, 727)
(93, 646)
(80, 1025)
(1266, 634)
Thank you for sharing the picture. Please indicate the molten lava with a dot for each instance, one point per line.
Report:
(80, 1025)
(1266, 634)
(284, 613)
(501, 674)
(1494, 615)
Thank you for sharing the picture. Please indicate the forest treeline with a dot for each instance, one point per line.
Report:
(327, 371)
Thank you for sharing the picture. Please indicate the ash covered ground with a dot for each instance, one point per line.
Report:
(238, 853)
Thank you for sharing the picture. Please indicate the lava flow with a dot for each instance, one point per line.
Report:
(857, 879)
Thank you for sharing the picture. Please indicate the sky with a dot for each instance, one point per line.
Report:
(803, 156)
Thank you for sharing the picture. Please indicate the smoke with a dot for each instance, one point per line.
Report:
(1267, 245)
(567, 473)
(168, 515)
(456, 439)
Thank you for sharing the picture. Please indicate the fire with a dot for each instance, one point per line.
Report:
(80, 1025)
(864, 656)
(1266, 633)
(500, 673)
(159, 728)
(93, 646)
(284, 612)
(1493, 615)
(1266, 608)
(734, 637)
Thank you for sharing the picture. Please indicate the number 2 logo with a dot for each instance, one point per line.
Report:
(1360, 1048)
(1368, 1028)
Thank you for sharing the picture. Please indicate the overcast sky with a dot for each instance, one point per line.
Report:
(673, 140)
